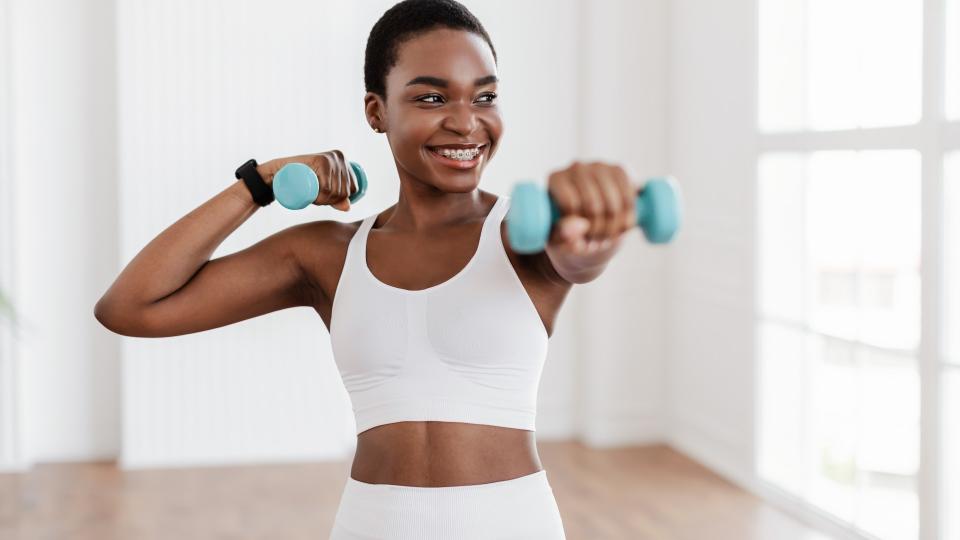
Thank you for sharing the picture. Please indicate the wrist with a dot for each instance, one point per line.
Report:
(267, 170)
(240, 191)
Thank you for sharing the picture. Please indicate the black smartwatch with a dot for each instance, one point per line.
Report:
(262, 193)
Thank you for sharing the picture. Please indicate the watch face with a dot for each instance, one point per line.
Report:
(250, 163)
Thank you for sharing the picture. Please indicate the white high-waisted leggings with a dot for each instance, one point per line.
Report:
(519, 508)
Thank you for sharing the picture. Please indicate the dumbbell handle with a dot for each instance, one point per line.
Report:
(639, 208)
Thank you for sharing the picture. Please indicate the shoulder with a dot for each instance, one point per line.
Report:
(320, 249)
(320, 237)
(323, 232)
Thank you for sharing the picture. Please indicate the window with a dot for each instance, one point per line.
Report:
(842, 219)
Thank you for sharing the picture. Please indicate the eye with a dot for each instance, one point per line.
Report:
(422, 98)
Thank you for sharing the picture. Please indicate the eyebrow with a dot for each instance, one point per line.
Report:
(436, 81)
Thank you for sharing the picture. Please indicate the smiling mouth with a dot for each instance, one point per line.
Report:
(457, 152)
(458, 158)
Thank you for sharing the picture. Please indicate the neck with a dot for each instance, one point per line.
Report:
(421, 208)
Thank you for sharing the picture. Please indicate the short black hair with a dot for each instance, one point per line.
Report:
(406, 20)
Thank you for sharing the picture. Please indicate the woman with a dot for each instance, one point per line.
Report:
(438, 328)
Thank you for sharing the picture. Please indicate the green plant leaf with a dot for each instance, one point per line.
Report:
(6, 308)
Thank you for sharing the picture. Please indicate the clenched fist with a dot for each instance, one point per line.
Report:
(333, 172)
(597, 203)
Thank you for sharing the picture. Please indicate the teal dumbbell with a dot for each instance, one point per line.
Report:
(296, 186)
(533, 212)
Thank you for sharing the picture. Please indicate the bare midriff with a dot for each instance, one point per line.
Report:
(442, 454)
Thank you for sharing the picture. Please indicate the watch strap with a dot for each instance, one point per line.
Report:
(261, 191)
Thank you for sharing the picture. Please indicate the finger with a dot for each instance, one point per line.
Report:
(342, 204)
(571, 226)
(343, 187)
(350, 184)
(322, 171)
(326, 165)
(591, 199)
(613, 201)
(337, 180)
(564, 193)
(570, 230)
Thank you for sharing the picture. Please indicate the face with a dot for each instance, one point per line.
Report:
(441, 93)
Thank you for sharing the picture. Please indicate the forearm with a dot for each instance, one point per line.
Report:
(168, 261)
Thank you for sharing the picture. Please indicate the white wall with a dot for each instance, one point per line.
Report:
(711, 149)
(9, 378)
(624, 315)
(62, 162)
(186, 113)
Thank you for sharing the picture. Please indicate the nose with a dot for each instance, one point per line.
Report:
(461, 119)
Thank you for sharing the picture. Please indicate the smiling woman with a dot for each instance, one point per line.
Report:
(445, 397)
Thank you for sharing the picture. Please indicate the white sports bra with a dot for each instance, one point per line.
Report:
(470, 349)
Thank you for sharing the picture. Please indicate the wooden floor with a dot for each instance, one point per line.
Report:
(649, 492)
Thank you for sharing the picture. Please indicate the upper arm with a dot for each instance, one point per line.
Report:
(264, 277)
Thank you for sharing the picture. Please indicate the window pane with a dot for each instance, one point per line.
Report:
(953, 60)
(782, 83)
(864, 265)
(840, 428)
(950, 449)
(889, 291)
(780, 192)
(782, 358)
(839, 243)
(834, 221)
(829, 64)
(833, 427)
(951, 242)
(888, 450)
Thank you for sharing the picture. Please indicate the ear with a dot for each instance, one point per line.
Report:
(374, 109)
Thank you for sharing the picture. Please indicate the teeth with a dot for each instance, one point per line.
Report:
(459, 154)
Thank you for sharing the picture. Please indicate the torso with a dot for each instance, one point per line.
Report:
(433, 454)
